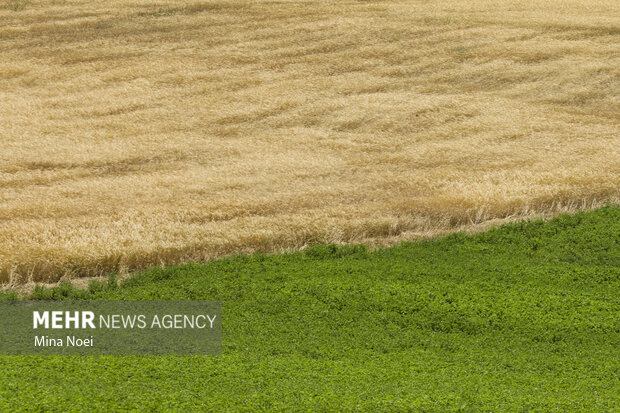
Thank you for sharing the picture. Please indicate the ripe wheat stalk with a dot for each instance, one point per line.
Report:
(135, 133)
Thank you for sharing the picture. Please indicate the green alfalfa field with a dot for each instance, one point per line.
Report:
(523, 317)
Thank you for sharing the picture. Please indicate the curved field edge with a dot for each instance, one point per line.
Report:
(136, 134)
(521, 317)
(50, 265)
(587, 236)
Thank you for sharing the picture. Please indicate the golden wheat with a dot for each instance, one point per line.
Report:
(139, 133)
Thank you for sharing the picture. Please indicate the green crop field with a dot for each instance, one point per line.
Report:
(522, 317)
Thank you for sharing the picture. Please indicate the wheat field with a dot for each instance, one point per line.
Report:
(140, 133)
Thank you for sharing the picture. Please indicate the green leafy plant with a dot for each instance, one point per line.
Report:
(521, 317)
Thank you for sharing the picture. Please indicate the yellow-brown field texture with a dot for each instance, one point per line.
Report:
(138, 133)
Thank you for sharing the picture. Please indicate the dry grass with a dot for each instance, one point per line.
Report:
(138, 133)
